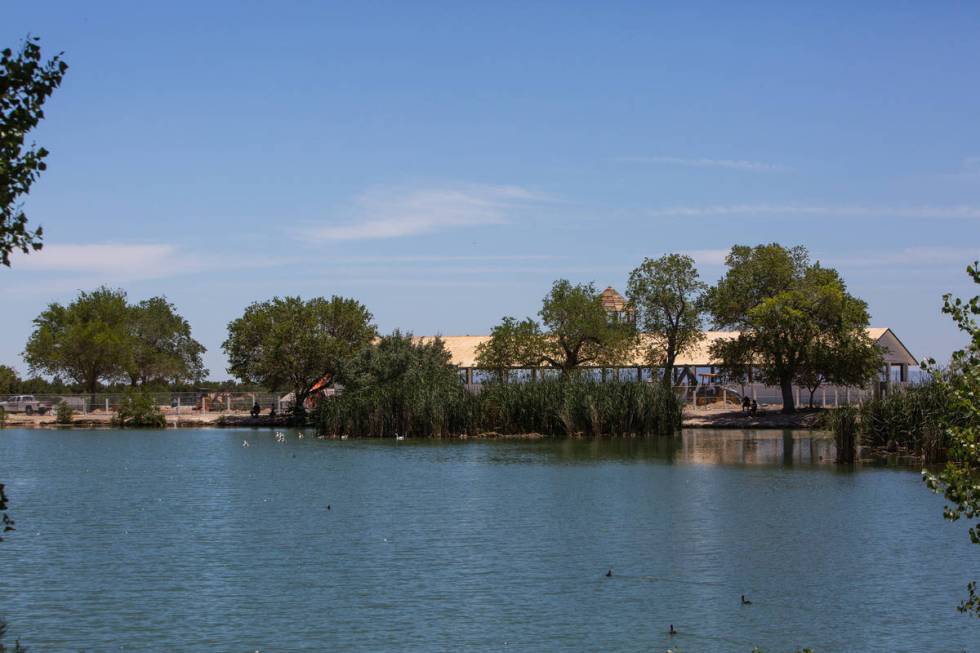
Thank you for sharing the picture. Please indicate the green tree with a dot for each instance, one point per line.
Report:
(87, 341)
(162, 349)
(140, 410)
(959, 479)
(511, 344)
(580, 331)
(577, 331)
(291, 343)
(781, 304)
(9, 380)
(6, 522)
(841, 361)
(666, 298)
(397, 386)
(25, 84)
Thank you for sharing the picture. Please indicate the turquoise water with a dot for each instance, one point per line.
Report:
(185, 540)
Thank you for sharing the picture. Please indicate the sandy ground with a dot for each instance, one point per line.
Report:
(769, 417)
(103, 418)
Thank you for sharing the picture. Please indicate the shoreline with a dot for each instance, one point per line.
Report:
(700, 417)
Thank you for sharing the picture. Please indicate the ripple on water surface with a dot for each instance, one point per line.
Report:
(186, 540)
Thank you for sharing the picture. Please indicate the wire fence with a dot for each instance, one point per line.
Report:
(230, 402)
(168, 402)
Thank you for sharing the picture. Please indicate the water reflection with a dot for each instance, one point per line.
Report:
(757, 447)
(700, 446)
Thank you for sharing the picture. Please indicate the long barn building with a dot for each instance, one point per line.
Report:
(696, 367)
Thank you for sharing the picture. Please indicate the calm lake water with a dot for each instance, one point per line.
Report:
(184, 540)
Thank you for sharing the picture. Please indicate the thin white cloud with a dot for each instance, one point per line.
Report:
(731, 164)
(851, 211)
(113, 260)
(62, 267)
(443, 259)
(707, 256)
(394, 213)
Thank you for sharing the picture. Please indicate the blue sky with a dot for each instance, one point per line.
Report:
(444, 162)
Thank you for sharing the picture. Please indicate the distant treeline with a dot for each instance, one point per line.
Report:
(796, 321)
(11, 383)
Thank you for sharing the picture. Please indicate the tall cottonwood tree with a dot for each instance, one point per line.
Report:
(575, 331)
(101, 337)
(290, 343)
(87, 341)
(26, 82)
(9, 380)
(512, 344)
(666, 299)
(162, 349)
(782, 304)
(847, 361)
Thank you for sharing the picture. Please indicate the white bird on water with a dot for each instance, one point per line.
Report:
(399, 437)
(280, 436)
(244, 443)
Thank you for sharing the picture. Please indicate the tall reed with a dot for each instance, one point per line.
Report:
(844, 424)
(915, 418)
(402, 387)
(579, 406)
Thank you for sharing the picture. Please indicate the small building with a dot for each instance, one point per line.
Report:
(612, 301)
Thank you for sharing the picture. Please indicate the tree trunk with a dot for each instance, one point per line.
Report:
(789, 406)
(668, 373)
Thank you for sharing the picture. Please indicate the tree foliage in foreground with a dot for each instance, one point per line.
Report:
(100, 337)
(796, 321)
(288, 343)
(575, 331)
(666, 297)
(26, 82)
(960, 479)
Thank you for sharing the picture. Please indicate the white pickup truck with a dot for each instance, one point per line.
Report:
(24, 404)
